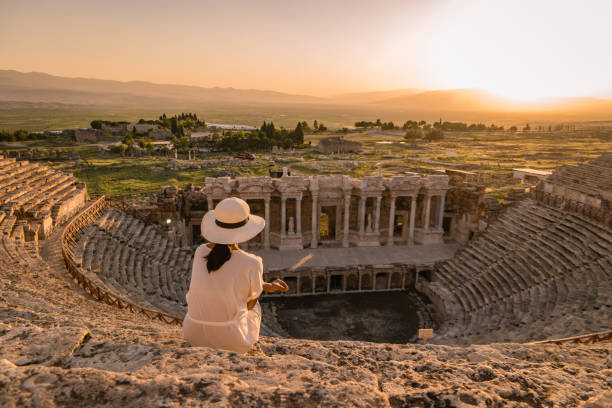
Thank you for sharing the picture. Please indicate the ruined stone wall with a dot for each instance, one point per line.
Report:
(89, 135)
(337, 144)
(584, 189)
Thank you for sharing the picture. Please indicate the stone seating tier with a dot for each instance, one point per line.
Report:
(586, 177)
(136, 261)
(534, 266)
(43, 196)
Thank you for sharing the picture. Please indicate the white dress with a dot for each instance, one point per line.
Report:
(217, 314)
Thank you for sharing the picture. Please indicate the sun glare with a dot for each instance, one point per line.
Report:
(520, 50)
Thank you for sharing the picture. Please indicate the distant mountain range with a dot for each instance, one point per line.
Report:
(40, 87)
(35, 87)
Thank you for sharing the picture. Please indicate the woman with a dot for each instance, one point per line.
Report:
(222, 307)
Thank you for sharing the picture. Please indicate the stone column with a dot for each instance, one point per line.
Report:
(413, 204)
(391, 221)
(427, 212)
(210, 203)
(267, 227)
(362, 208)
(377, 219)
(441, 211)
(298, 216)
(315, 221)
(347, 205)
(283, 226)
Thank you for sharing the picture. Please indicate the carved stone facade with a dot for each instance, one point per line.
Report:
(313, 211)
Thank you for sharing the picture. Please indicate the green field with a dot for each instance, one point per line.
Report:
(488, 153)
(125, 176)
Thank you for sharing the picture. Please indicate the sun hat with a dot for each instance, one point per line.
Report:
(231, 222)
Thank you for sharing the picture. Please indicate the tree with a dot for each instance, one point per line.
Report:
(180, 143)
(434, 135)
(129, 141)
(364, 124)
(174, 126)
(410, 124)
(21, 134)
(298, 135)
(146, 144)
(387, 126)
(378, 123)
(413, 134)
(315, 125)
(513, 129)
(527, 128)
(96, 124)
(322, 127)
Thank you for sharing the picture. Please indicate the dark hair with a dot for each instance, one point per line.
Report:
(218, 255)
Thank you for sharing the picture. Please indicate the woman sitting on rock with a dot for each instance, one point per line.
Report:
(226, 282)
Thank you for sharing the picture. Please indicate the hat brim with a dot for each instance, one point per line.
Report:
(219, 235)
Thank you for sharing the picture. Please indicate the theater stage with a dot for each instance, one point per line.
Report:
(274, 259)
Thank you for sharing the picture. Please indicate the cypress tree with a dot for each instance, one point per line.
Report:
(299, 134)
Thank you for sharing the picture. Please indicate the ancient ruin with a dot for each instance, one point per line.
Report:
(338, 145)
(544, 267)
(88, 288)
(35, 199)
(314, 211)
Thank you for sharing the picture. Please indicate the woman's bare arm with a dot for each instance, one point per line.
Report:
(277, 286)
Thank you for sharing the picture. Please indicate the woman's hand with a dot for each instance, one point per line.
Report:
(277, 286)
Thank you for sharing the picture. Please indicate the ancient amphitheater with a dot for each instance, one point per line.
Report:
(92, 290)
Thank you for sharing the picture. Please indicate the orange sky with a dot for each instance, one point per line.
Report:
(521, 49)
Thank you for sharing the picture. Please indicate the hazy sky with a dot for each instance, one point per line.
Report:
(518, 48)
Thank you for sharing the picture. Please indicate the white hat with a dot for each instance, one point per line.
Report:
(231, 222)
